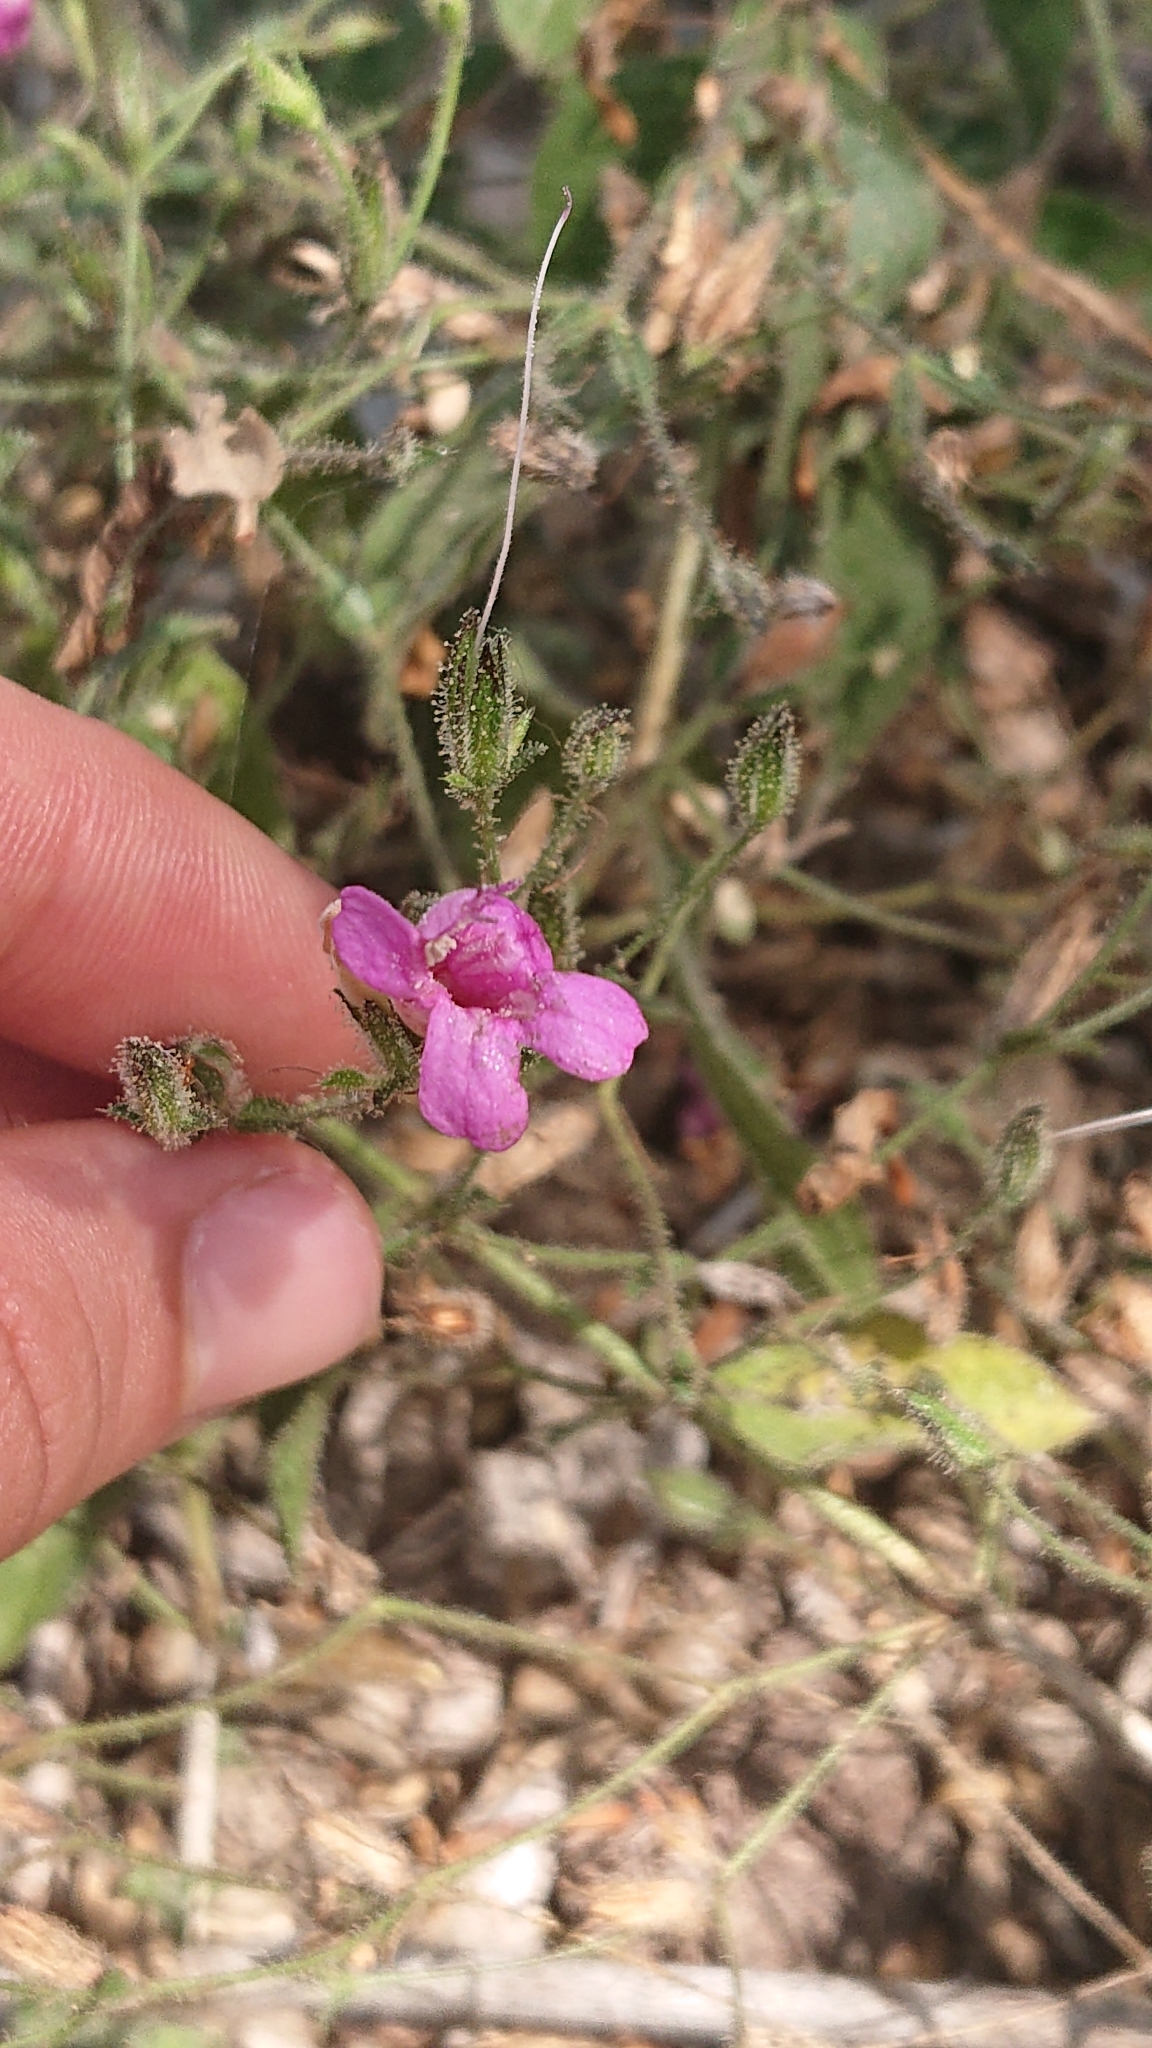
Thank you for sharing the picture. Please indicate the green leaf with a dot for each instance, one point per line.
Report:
(1082, 231)
(573, 151)
(894, 216)
(884, 570)
(772, 1369)
(295, 1452)
(866, 45)
(789, 1406)
(700, 1506)
(542, 34)
(836, 1249)
(1037, 38)
(798, 1440)
(1023, 1403)
(35, 1584)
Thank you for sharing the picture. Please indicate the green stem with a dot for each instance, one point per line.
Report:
(698, 888)
(506, 1263)
(457, 20)
(1089, 975)
(1077, 1035)
(368, 1161)
(800, 1795)
(662, 676)
(843, 904)
(630, 1153)
(398, 733)
(132, 256)
(1121, 111)
(352, 613)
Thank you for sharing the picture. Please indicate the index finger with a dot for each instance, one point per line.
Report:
(135, 902)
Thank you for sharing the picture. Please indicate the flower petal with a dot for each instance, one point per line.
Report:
(484, 949)
(470, 1077)
(371, 939)
(586, 1025)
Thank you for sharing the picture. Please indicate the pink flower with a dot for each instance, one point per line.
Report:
(15, 22)
(476, 977)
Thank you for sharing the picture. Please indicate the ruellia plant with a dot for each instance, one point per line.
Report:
(760, 772)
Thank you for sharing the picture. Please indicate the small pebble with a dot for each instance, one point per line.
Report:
(169, 1662)
(542, 1701)
(251, 1561)
(241, 1917)
(279, 2026)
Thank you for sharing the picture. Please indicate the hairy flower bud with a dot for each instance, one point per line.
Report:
(289, 94)
(1022, 1157)
(482, 722)
(159, 1093)
(763, 772)
(596, 750)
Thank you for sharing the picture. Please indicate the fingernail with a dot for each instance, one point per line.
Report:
(281, 1278)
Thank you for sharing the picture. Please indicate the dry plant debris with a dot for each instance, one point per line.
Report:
(216, 457)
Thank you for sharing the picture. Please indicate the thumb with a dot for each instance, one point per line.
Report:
(141, 1290)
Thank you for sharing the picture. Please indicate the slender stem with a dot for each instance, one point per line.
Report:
(868, 912)
(697, 889)
(506, 1263)
(350, 608)
(357, 1153)
(132, 256)
(662, 676)
(1103, 1020)
(654, 1223)
(799, 1795)
(1100, 1125)
(398, 733)
(522, 429)
(457, 20)
(1089, 975)
(1121, 111)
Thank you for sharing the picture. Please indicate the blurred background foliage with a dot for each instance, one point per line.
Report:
(201, 199)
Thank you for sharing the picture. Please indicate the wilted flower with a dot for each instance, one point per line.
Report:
(475, 977)
(15, 22)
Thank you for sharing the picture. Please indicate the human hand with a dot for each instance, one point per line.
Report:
(141, 1290)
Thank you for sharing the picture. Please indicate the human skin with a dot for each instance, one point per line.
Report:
(139, 1289)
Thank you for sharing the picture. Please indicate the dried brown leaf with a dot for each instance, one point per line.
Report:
(44, 1949)
(1138, 1208)
(790, 646)
(421, 667)
(523, 845)
(554, 455)
(1120, 1321)
(624, 202)
(599, 58)
(1041, 1274)
(555, 1133)
(848, 1165)
(869, 381)
(240, 459)
(719, 1330)
(725, 304)
(102, 561)
(1026, 731)
(1052, 962)
(699, 232)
